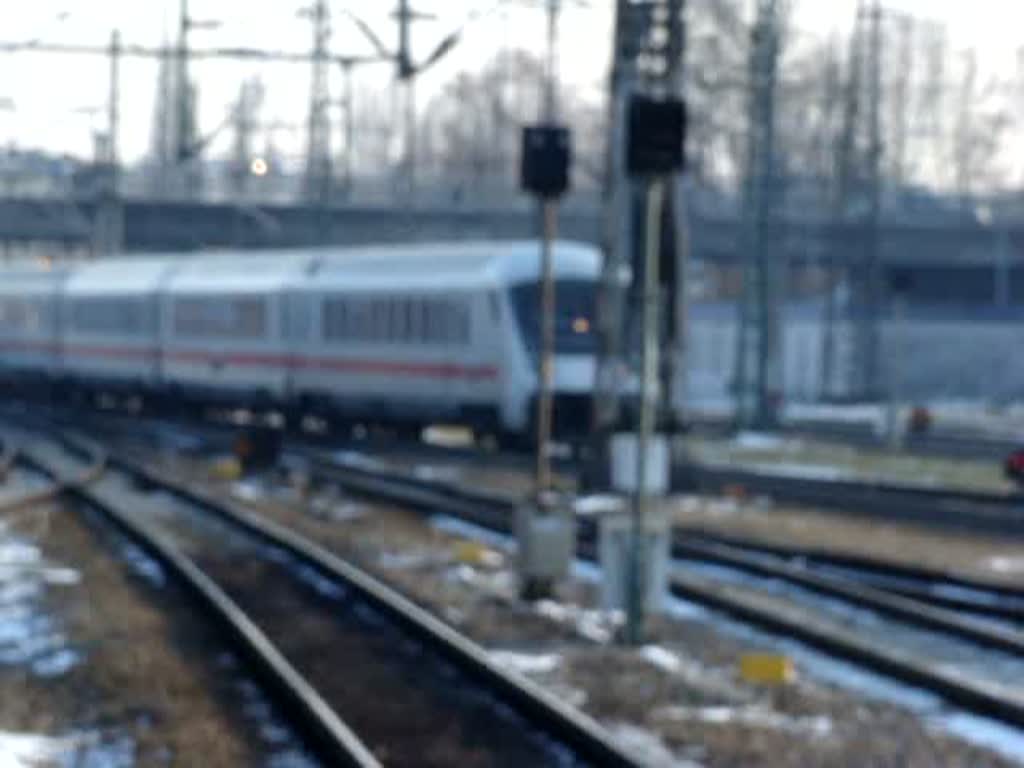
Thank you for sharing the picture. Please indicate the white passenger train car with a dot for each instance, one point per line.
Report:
(29, 331)
(403, 333)
(225, 331)
(445, 331)
(109, 321)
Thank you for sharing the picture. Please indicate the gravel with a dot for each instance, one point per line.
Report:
(677, 701)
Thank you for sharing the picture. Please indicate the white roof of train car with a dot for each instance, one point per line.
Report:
(120, 276)
(453, 264)
(30, 280)
(242, 271)
(450, 264)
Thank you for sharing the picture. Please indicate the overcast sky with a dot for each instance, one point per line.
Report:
(50, 92)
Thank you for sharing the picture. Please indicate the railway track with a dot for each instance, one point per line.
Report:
(813, 569)
(961, 638)
(941, 508)
(976, 511)
(935, 588)
(366, 675)
(946, 443)
(329, 737)
(39, 484)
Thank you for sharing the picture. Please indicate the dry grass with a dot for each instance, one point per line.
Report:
(986, 557)
(868, 463)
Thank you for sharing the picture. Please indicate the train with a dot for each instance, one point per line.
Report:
(409, 335)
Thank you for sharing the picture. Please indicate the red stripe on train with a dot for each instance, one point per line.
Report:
(264, 360)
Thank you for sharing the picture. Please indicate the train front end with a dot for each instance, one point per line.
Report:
(575, 348)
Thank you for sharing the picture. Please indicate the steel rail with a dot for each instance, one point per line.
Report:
(495, 515)
(332, 740)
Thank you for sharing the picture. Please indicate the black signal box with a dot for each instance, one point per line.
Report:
(546, 157)
(656, 136)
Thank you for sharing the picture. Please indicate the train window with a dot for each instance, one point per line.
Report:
(381, 320)
(110, 316)
(391, 308)
(251, 318)
(416, 320)
(336, 320)
(402, 319)
(242, 318)
(424, 318)
(21, 314)
(465, 323)
(361, 320)
(440, 327)
(435, 321)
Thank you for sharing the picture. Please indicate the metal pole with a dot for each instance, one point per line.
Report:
(549, 225)
(551, 79)
(871, 279)
(114, 243)
(896, 374)
(545, 399)
(182, 107)
(107, 234)
(769, 370)
(113, 107)
(407, 78)
(411, 138)
(318, 161)
(675, 377)
(404, 53)
(648, 412)
(350, 130)
(617, 236)
(828, 342)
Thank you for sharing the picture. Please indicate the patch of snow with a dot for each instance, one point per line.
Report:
(750, 717)
(403, 560)
(598, 504)
(1005, 563)
(760, 441)
(500, 583)
(662, 658)
(597, 626)
(356, 459)
(722, 507)
(688, 503)
(1004, 739)
(249, 490)
(802, 471)
(343, 513)
(28, 635)
(526, 663)
(647, 747)
(437, 474)
(55, 576)
(849, 414)
(24, 749)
